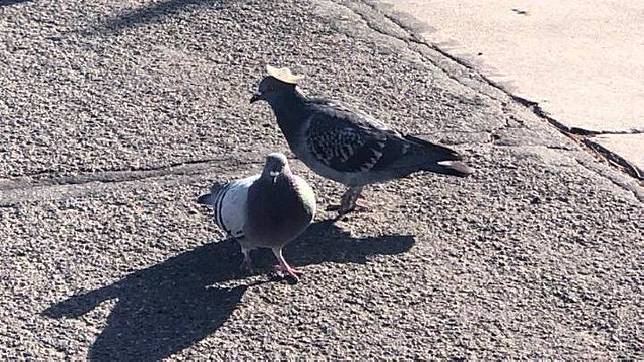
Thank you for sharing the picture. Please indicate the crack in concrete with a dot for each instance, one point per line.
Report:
(614, 158)
(86, 176)
(90, 174)
(14, 191)
(622, 183)
(581, 137)
(57, 188)
(113, 176)
(536, 109)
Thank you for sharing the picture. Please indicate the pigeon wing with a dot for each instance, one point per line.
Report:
(229, 204)
(348, 140)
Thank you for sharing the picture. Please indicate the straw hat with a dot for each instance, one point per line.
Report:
(283, 74)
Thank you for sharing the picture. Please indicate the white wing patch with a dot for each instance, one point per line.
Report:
(374, 122)
(230, 206)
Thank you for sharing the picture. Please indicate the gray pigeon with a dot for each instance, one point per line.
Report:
(347, 145)
(264, 211)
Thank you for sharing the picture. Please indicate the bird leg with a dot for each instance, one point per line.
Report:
(349, 201)
(247, 263)
(283, 265)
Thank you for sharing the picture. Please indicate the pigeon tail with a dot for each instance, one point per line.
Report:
(452, 168)
(206, 199)
(441, 159)
(209, 199)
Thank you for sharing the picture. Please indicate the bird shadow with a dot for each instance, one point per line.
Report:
(170, 306)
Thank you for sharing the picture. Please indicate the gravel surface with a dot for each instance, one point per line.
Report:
(115, 115)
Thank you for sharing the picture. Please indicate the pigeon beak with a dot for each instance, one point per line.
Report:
(274, 175)
(256, 97)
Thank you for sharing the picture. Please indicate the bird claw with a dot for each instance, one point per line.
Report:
(349, 202)
(345, 210)
(287, 270)
(247, 266)
(360, 208)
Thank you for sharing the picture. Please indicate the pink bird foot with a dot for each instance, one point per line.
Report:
(283, 266)
(288, 270)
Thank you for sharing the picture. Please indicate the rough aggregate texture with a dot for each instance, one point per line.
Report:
(115, 115)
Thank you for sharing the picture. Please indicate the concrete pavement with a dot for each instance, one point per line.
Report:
(580, 62)
(115, 116)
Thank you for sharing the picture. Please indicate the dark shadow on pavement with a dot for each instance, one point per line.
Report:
(172, 305)
(12, 2)
(156, 12)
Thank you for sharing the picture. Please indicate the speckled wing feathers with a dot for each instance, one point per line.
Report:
(347, 140)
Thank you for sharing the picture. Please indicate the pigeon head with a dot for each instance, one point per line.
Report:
(279, 81)
(275, 166)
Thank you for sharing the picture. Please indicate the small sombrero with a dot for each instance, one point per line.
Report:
(283, 74)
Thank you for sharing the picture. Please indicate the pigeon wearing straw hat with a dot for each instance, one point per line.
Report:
(347, 145)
